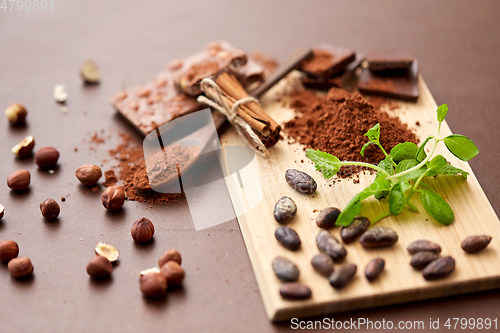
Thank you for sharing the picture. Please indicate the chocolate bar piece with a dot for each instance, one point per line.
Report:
(401, 84)
(328, 61)
(212, 60)
(382, 60)
(346, 80)
(257, 68)
(156, 103)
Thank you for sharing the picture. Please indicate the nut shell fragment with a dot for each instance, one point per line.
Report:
(107, 251)
(16, 114)
(25, 147)
(90, 72)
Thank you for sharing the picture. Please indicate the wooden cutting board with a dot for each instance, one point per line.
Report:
(399, 282)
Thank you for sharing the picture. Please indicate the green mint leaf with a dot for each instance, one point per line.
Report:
(397, 199)
(366, 145)
(408, 164)
(386, 165)
(327, 163)
(374, 133)
(436, 163)
(348, 214)
(353, 208)
(441, 112)
(403, 151)
(461, 146)
(421, 155)
(436, 207)
(448, 170)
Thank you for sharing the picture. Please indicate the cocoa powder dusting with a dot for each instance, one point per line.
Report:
(320, 62)
(336, 124)
(131, 164)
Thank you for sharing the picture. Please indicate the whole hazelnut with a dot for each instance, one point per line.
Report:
(88, 174)
(99, 267)
(19, 180)
(113, 198)
(2, 211)
(153, 285)
(46, 158)
(50, 209)
(142, 230)
(90, 73)
(173, 272)
(25, 147)
(170, 255)
(20, 267)
(16, 113)
(8, 250)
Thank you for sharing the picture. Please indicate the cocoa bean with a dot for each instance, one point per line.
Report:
(288, 238)
(284, 210)
(378, 237)
(356, 228)
(323, 264)
(423, 245)
(285, 270)
(374, 268)
(300, 181)
(423, 258)
(439, 268)
(327, 217)
(328, 244)
(342, 275)
(477, 243)
(295, 291)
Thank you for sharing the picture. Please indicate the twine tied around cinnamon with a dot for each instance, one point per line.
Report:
(215, 100)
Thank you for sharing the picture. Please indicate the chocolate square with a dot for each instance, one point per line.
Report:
(327, 61)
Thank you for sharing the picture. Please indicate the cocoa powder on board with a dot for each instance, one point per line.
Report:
(337, 123)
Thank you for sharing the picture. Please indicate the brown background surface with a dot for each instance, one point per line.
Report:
(456, 43)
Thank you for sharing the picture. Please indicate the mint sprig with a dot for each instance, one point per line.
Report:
(401, 173)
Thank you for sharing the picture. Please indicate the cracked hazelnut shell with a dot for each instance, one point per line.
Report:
(25, 147)
(107, 251)
(16, 114)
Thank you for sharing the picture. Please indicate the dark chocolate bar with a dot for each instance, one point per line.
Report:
(383, 60)
(328, 61)
(213, 59)
(400, 84)
(346, 80)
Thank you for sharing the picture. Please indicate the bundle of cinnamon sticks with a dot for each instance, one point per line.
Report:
(266, 128)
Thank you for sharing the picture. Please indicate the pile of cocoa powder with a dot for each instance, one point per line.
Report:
(337, 123)
(131, 168)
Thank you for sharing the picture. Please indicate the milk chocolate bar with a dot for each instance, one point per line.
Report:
(383, 60)
(398, 84)
(152, 105)
(328, 61)
(212, 60)
(257, 69)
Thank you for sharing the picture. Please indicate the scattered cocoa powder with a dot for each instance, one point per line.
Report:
(130, 155)
(97, 139)
(320, 62)
(336, 124)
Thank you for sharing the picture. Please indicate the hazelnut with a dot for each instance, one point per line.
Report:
(170, 255)
(2, 211)
(20, 267)
(16, 113)
(88, 174)
(113, 198)
(19, 180)
(173, 272)
(153, 285)
(107, 251)
(142, 230)
(149, 271)
(99, 267)
(50, 209)
(25, 147)
(46, 158)
(90, 73)
(8, 250)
